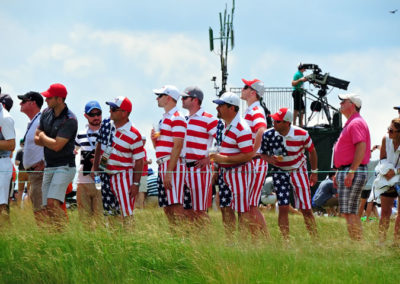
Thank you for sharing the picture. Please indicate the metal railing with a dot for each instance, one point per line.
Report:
(274, 98)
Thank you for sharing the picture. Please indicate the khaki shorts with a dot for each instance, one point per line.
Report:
(35, 191)
(151, 202)
(143, 184)
(55, 182)
(88, 199)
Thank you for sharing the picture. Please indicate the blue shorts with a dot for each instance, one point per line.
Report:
(187, 199)
(282, 185)
(225, 194)
(110, 201)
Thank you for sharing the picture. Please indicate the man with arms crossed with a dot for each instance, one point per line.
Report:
(56, 133)
(351, 156)
(234, 157)
(283, 147)
(33, 158)
(201, 128)
(168, 144)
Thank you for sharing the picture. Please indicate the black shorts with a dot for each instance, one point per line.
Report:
(365, 194)
(390, 193)
(298, 103)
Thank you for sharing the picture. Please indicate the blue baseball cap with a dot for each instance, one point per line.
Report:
(91, 106)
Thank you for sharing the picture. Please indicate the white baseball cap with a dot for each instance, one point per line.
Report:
(169, 90)
(355, 99)
(228, 98)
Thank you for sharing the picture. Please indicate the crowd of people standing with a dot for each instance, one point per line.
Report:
(193, 153)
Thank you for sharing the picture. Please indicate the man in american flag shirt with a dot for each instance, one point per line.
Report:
(124, 160)
(200, 132)
(168, 142)
(252, 93)
(235, 156)
(283, 147)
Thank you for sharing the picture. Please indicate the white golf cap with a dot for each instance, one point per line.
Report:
(228, 98)
(169, 90)
(355, 99)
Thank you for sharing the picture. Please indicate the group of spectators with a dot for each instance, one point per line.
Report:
(193, 152)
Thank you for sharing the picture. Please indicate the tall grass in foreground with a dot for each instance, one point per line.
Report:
(149, 253)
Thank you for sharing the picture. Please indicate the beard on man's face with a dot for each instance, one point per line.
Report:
(95, 122)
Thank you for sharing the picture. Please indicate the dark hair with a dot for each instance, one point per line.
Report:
(236, 107)
(396, 123)
(266, 111)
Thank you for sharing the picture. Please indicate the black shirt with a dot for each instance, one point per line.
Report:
(65, 126)
(18, 157)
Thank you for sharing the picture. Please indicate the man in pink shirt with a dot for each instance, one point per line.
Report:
(351, 156)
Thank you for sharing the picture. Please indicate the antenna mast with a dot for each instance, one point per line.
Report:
(226, 38)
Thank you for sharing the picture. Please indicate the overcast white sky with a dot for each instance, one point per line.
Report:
(103, 49)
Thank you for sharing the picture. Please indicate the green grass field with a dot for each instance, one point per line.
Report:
(147, 252)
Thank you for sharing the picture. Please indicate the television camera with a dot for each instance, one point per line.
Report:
(322, 81)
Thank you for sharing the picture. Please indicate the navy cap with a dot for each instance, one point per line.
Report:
(7, 101)
(32, 96)
(91, 106)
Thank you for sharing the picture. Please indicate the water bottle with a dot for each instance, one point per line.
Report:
(97, 182)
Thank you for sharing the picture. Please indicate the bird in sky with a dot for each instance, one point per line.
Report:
(393, 11)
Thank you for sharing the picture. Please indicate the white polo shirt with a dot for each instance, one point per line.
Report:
(7, 130)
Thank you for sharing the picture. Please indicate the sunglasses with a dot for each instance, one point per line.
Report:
(246, 87)
(93, 114)
(391, 130)
(278, 121)
(185, 98)
(115, 109)
(161, 95)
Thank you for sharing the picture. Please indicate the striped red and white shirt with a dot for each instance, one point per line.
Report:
(201, 129)
(255, 118)
(237, 138)
(173, 125)
(127, 147)
(296, 142)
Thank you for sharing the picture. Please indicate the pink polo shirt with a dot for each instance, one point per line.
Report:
(355, 130)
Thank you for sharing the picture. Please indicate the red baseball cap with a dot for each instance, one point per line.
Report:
(121, 102)
(283, 114)
(256, 85)
(55, 90)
